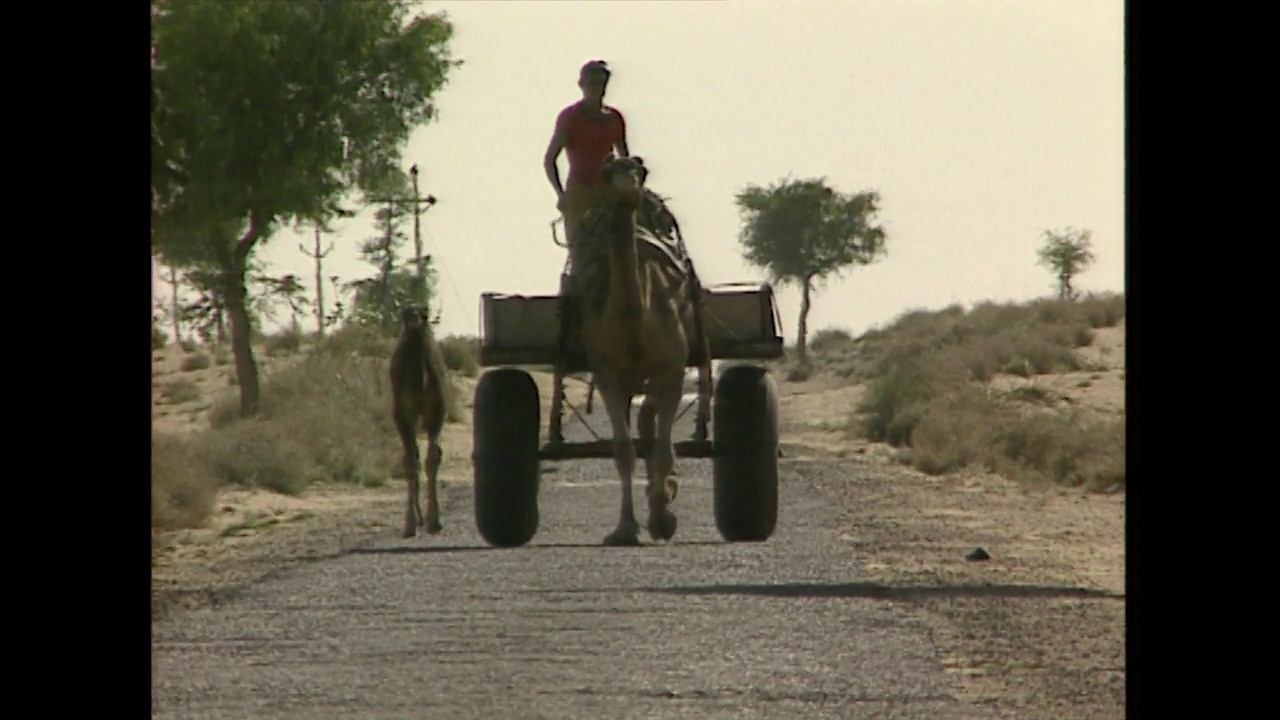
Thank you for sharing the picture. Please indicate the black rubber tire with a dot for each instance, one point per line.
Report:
(744, 431)
(504, 428)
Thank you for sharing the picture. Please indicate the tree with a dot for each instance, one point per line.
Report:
(320, 225)
(339, 309)
(207, 313)
(172, 313)
(1066, 254)
(377, 299)
(802, 232)
(266, 113)
(286, 290)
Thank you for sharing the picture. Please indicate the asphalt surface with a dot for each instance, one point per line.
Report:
(565, 629)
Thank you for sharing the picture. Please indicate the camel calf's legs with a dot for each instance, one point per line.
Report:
(409, 442)
(432, 468)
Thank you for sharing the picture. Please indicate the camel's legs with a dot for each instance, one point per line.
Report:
(617, 404)
(645, 431)
(432, 468)
(665, 392)
(409, 442)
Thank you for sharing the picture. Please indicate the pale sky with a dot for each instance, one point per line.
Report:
(981, 123)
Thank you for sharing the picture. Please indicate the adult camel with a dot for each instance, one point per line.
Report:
(638, 322)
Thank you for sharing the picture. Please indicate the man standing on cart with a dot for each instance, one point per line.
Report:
(587, 131)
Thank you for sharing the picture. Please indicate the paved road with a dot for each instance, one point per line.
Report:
(564, 629)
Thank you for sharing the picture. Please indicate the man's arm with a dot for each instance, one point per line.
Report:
(549, 161)
(620, 145)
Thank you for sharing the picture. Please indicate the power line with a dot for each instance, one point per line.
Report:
(454, 286)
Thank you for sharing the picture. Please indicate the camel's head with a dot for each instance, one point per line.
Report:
(414, 317)
(625, 175)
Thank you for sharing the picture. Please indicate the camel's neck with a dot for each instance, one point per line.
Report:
(625, 290)
(416, 351)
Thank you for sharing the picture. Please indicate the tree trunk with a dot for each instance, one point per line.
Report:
(319, 288)
(802, 328)
(388, 303)
(236, 296)
(220, 318)
(176, 310)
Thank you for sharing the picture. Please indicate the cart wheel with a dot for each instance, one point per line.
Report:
(745, 466)
(505, 427)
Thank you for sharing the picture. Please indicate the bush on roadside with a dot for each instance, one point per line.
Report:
(183, 490)
(926, 390)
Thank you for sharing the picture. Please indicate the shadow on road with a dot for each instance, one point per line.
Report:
(419, 549)
(887, 592)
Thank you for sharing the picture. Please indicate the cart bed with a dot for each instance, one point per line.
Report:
(741, 322)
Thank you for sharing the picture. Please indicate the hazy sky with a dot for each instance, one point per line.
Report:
(981, 123)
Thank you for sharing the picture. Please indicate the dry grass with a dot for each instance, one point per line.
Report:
(284, 343)
(182, 489)
(181, 391)
(324, 417)
(461, 354)
(976, 428)
(196, 361)
(931, 390)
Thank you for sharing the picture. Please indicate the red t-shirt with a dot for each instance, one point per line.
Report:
(589, 141)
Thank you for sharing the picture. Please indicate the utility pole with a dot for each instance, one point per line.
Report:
(318, 256)
(418, 203)
(420, 287)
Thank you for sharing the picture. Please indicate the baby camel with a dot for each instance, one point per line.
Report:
(417, 391)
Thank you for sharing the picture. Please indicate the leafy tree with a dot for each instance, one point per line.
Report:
(1066, 254)
(286, 290)
(173, 312)
(207, 312)
(339, 313)
(377, 299)
(321, 225)
(266, 113)
(803, 232)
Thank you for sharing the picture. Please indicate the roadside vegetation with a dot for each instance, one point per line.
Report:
(979, 388)
(324, 417)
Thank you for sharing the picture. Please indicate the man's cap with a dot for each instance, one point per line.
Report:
(595, 67)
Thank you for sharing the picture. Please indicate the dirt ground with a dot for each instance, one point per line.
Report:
(1037, 628)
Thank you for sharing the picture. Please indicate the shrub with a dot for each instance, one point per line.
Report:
(325, 417)
(182, 489)
(196, 361)
(461, 354)
(181, 391)
(926, 392)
